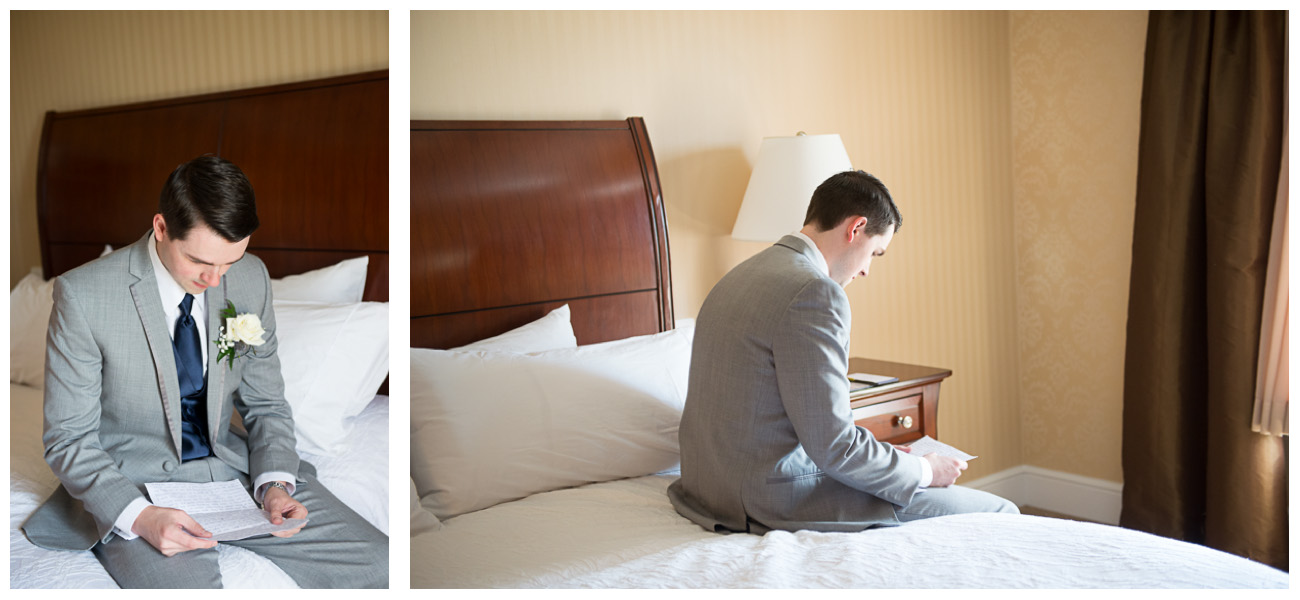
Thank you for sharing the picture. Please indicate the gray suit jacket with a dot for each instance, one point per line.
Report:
(112, 401)
(767, 440)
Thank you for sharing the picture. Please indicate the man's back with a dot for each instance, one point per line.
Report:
(766, 437)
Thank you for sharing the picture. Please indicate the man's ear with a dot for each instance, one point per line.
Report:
(853, 227)
(159, 227)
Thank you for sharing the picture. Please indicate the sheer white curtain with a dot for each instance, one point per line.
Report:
(1271, 389)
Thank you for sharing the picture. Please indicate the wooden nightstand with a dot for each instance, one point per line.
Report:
(902, 411)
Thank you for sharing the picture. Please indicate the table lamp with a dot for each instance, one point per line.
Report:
(788, 169)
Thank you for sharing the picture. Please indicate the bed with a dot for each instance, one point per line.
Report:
(316, 154)
(548, 372)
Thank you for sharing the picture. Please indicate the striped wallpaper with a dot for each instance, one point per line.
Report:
(70, 60)
(920, 99)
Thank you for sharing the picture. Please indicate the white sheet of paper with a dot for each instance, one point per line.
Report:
(927, 444)
(224, 508)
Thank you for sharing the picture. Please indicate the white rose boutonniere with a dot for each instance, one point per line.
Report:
(239, 336)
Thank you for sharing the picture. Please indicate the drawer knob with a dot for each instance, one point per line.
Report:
(904, 421)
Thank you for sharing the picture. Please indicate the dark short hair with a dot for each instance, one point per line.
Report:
(853, 194)
(208, 191)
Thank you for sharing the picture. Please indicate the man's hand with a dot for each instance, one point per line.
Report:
(171, 531)
(281, 505)
(944, 469)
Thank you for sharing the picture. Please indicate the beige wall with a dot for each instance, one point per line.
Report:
(920, 99)
(74, 60)
(1076, 87)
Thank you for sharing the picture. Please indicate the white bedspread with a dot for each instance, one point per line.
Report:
(359, 477)
(625, 534)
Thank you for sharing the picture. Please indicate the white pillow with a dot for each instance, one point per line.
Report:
(333, 358)
(547, 333)
(421, 519)
(488, 427)
(340, 283)
(30, 305)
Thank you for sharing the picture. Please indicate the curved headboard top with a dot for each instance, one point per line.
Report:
(511, 219)
(316, 153)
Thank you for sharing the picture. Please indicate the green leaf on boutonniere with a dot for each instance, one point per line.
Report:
(228, 312)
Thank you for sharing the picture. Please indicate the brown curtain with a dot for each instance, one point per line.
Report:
(1209, 159)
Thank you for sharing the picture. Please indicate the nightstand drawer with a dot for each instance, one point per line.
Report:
(897, 421)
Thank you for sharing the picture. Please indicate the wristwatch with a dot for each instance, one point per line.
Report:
(268, 488)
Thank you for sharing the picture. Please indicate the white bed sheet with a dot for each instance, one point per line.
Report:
(359, 477)
(625, 534)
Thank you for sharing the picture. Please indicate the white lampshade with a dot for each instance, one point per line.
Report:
(786, 173)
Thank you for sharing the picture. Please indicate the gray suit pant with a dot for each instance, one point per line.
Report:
(336, 549)
(952, 500)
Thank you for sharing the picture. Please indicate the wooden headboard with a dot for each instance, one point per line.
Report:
(316, 153)
(512, 219)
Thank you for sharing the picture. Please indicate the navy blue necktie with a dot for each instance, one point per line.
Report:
(189, 373)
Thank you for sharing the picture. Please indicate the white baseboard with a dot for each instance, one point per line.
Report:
(1066, 493)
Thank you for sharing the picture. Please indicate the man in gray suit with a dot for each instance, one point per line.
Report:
(138, 390)
(767, 440)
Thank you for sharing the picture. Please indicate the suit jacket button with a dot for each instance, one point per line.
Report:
(169, 466)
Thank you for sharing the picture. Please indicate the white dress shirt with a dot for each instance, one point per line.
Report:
(171, 294)
(927, 473)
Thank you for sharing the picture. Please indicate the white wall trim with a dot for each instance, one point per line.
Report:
(1075, 495)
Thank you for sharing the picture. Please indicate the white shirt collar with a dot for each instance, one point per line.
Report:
(817, 253)
(171, 294)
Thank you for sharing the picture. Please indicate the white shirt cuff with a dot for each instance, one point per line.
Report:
(125, 521)
(259, 484)
(927, 474)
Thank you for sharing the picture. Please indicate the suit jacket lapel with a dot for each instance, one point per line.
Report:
(216, 300)
(147, 304)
